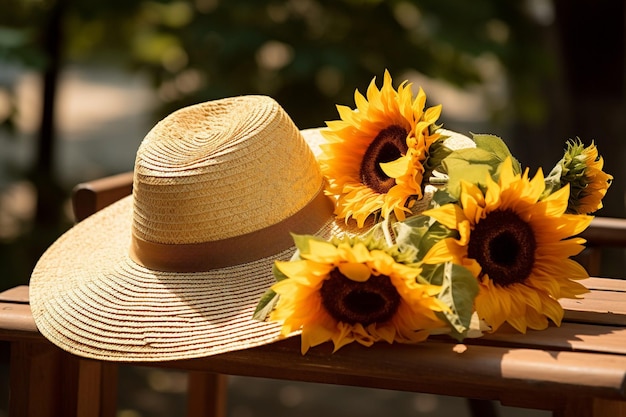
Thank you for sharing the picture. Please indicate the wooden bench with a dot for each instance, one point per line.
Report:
(576, 370)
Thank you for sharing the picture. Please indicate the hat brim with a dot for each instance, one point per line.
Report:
(91, 299)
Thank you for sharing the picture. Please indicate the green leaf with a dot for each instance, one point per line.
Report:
(437, 152)
(493, 144)
(470, 165)
(420, 232)
(266, 305)
(474, 156)
(441, 198)
(270, 298)
(302, 242)
(430, 274)
(459, 291)
(475, 165)
(278, 274)
(553, 180)
(498, 148)
(410, 232)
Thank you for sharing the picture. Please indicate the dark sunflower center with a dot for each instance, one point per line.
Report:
(504, 246)
(388, 145)
(373, 301)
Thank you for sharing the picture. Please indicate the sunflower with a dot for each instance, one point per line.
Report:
(347, 291)
(375, 153)
(581, 168)
(596, 182)
(517, 246)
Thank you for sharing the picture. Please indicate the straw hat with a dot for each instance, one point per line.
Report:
(175, 271)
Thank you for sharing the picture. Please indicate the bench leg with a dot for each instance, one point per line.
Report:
(591, 407)
(34, 381)
(108, 390)
(96, 389)
(206, 394)
(45, 381)
(481, 408)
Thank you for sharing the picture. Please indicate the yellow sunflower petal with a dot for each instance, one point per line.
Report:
(322, 252)
(529, 318)
(556, 203)
(297, 270)
(472, 201)
(397, 168)
(445, 250)
(450, 215)
(386, 333)
(313, 336)
(492, 196)
(362, 335)
(553, 310)
(519, 320)
(506, 172)
(536, 186)
(493, 305)
(355, 271)
(572, 289)
(433, 113)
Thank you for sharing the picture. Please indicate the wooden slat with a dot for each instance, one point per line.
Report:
(488, 372)
(569, 336)
(613, 300)
(89, 197)
(606, 231)
(605, 303)
(432, 367)
(586, 316)
(17, 294)
(607, 284)
(16, 322)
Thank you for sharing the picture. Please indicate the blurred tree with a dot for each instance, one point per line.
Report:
(34, 39)
(593, 39)
(308, 54)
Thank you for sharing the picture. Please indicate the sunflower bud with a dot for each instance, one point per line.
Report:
(581, 168)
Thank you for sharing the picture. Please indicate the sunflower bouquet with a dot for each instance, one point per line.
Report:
(452, 234)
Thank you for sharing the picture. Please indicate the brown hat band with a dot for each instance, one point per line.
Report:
(205, 256)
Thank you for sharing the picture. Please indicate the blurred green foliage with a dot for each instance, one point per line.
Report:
(308, 54)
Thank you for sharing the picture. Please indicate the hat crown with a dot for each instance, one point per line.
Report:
(216, 170)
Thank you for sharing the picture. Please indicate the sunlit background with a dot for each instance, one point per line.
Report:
(81, 83)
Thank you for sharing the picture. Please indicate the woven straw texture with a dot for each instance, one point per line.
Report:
(221, 159)
(205, 173)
